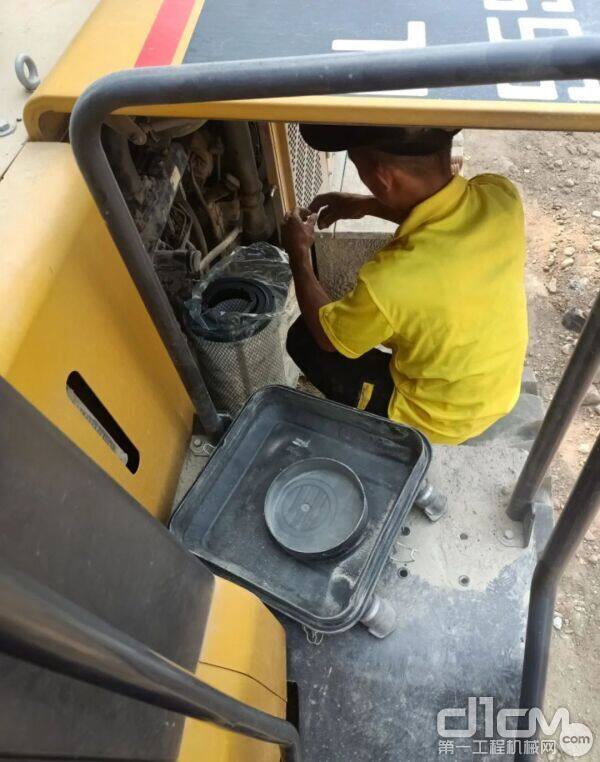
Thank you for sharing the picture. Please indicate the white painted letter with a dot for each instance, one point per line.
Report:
(417, 38)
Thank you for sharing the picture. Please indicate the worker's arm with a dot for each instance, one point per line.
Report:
(351, 206)
(297, 237)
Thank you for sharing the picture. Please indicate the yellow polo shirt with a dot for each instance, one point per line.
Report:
(447, 296)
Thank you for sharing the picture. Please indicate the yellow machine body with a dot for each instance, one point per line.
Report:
(243, 654)
(69, 305)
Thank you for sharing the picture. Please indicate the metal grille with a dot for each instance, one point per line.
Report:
(307, 167)
(233, 305)
(234, 370)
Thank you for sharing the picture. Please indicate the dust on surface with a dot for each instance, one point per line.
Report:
(466, 547)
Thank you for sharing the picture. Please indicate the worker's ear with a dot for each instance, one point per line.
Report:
(382, 178)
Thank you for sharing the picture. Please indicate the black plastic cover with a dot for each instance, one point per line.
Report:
(221, 519)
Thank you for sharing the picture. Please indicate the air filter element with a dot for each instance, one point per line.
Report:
(234, 309)
(236, 330)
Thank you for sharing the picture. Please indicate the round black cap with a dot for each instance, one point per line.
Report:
(400, 141)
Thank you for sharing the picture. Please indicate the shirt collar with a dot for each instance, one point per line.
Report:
(435, 207)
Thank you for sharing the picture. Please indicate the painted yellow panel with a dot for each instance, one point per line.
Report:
(204, 742)
(68, 304)
(344, 109)
(110, 40)
(243, 655)
(188, 31)
(244, 636)
(121, 26)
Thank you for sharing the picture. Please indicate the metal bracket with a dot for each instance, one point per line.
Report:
(126, 126)
(379, 617)
(201, 447)
(433, 504)
(6, 127)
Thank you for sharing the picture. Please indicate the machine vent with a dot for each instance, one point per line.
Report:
(93, 410)
(307, 167)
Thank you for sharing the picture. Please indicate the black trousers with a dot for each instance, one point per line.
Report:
(365, 383)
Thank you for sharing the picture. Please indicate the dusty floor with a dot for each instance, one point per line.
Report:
(558, 177)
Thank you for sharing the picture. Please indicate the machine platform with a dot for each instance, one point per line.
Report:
(439, 576)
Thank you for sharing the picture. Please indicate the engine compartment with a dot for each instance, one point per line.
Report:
(196, 189)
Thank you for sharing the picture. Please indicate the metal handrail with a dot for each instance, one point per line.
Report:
(575, 382)
(44, 628)
(573, 523)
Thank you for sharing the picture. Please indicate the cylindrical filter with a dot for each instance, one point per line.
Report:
(236, 332)
(233, 308)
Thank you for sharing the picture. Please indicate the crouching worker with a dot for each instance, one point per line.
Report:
(445, 297)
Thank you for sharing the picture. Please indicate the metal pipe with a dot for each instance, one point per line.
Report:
(196, 226)
(574, 521)
(329, 74)
(199, 264)
(252, 200)
(40, 626)
(119, 153)
(576, 379)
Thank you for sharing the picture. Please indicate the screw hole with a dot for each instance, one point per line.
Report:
(403, 572)
(464, 536)
(406, 531)
(464, 580)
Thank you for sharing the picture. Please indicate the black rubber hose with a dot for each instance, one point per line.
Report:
(119, 153)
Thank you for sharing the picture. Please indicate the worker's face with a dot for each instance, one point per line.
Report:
(373, 173)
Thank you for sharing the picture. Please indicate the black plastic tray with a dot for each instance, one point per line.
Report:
(221, 519)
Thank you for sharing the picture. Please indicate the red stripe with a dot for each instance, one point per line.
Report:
(165, 34)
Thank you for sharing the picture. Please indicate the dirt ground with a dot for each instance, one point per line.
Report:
(558, 175)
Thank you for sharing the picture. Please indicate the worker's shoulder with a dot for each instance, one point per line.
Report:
(492, 183)
(388, 266)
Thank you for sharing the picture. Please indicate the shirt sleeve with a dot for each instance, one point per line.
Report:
(355, 324)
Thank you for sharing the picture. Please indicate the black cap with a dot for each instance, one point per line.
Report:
(400, 141)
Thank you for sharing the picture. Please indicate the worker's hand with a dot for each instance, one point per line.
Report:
(298, 232)
(339, 206)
